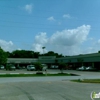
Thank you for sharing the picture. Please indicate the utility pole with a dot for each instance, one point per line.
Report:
(43, 49)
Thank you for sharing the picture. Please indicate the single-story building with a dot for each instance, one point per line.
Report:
(76, 61)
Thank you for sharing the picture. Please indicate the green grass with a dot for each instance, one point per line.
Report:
(87, 81)
(59, 74)
(34, 75)
(21, 75)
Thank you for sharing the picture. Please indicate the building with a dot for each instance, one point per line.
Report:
(83, 59)
(76, 61)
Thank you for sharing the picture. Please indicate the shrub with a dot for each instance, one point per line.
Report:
(38, 66)
(39, 73)
(62, 66)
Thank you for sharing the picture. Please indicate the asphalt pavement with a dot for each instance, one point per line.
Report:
(48, 88)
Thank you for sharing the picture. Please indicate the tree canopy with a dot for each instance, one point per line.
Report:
(30, 54)
(38, 66)
(3, 56)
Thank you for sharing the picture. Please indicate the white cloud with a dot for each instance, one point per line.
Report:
(70, 37)
(28, 8)
(19, 49)
(89, 50)
(51, 18)
(91, 38)
(37, 47)
(66, 41)
(40, 41)
(41, 38)
(59, 23)
(6, 45)
(98, 42)
(66, 16)
(93, 46)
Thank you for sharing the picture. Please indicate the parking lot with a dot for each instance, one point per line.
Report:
(47, 88)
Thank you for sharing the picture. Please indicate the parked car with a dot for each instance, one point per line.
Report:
(18, 67)
(54, 66)
(10, 67)
(90, 68)
(30, 67)
(2, 67)
(82, 68)
(44, 67)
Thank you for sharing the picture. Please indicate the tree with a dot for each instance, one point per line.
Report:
(22, 54)
(3, 56)
(36, 54)
(62, 66)
(52, 53)
(38, 66)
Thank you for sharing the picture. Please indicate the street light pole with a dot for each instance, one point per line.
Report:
(43, 49)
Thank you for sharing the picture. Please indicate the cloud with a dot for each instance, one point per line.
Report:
(6, 45)
(98, 42)
(40, 41)
(51, 18)
(91, 38)
(66, 16)
(67, 42)
(43, 40)
(93, 46)
(70, 37)
(89, 50)
(28, 8)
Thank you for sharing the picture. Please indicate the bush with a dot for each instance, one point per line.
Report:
(38, 66)
(39, 73)
(10, 67)
(62, 66)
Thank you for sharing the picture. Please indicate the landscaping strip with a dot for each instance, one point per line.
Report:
(87, 80)
(34, 75)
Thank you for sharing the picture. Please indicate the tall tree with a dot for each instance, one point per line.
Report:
(52, 53)
(3, 56)
(22, 54)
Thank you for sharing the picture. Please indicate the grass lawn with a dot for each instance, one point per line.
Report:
(87, 80)
(35, 75)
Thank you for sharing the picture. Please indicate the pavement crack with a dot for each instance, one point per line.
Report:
(64, 97)
(25, 92)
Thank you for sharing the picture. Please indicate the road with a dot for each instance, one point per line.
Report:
(48, 88)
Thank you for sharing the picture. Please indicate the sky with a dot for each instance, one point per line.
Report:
(68, 27)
